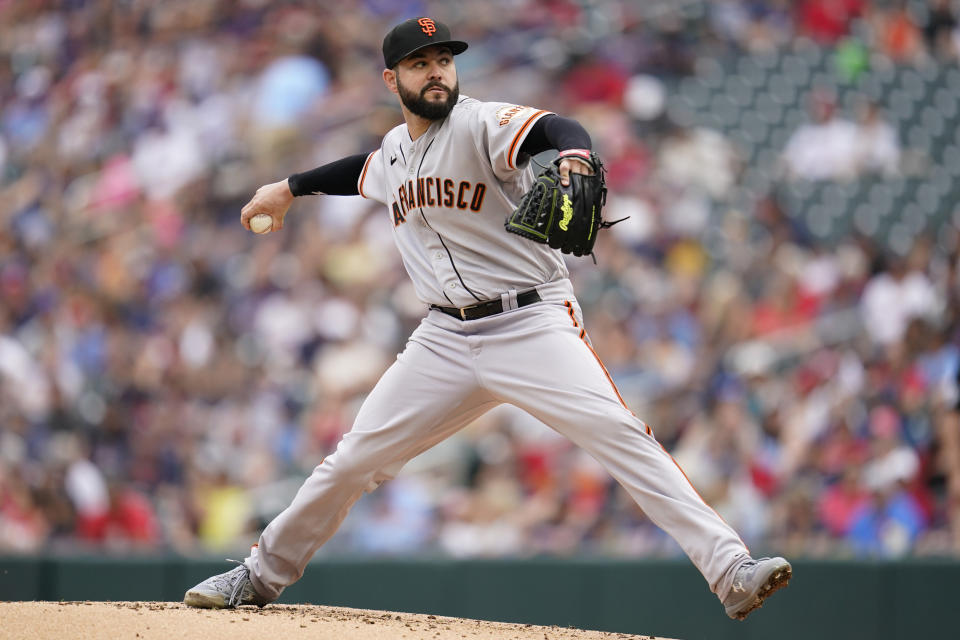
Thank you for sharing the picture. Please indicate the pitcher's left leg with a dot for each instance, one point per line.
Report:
(544, 364)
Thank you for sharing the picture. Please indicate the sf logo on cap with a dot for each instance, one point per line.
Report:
(427, 26)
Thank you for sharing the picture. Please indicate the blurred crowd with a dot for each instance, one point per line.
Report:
(167, 379)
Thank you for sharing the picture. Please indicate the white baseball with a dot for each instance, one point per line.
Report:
(261, 223)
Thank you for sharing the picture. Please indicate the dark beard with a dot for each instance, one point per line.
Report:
(418, 105)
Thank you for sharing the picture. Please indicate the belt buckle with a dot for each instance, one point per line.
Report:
(463, 310)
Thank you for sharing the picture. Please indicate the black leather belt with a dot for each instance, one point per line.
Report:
(488, 308)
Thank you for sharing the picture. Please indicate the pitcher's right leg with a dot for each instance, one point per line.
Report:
(429, 393)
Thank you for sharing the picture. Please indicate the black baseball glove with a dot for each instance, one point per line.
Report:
(566, 218)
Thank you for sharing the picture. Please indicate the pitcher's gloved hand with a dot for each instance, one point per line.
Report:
(566, 217)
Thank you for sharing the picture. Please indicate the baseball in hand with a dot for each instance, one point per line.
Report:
(261, 223)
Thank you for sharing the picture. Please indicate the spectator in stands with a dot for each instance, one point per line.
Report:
(878, 145)
(888, 526)
(134, 311)
(895, 34)
(131, 522)
(940, 30)
(825, 148)
(948, 436)
(891, 521)
(698, 158)
(843, 502)
(827, 21)
(593, 79)
(23, 527)
(756, 26)
(891, 298)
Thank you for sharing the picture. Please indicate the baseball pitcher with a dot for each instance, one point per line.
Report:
(482, 239)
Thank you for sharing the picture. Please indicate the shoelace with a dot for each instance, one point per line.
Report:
(237, 583)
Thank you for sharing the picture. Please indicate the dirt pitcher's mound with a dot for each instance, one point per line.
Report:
(165, 620)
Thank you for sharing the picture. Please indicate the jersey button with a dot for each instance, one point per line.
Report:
(438, 256)
(451, 285)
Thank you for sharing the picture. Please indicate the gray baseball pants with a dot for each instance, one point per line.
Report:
(537, 358)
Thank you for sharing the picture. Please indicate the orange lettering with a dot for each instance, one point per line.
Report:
(508, 115)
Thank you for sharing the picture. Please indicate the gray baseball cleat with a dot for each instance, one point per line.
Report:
(225, 591)
(753, 582)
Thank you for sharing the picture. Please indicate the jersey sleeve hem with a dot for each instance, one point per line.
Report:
(363, 174)
(517, 141)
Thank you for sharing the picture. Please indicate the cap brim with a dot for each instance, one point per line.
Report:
(456, 48)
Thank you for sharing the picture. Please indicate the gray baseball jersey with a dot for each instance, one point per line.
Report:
(447, 194)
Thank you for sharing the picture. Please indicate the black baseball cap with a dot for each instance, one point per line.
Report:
(415, 34)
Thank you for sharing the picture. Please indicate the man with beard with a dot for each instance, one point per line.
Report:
(503, 325)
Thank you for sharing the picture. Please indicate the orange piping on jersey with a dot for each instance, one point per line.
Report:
(363, 175)
(511, 154)
(583, 336)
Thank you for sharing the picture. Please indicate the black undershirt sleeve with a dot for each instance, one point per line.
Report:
(339, 178)
(555, 132)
